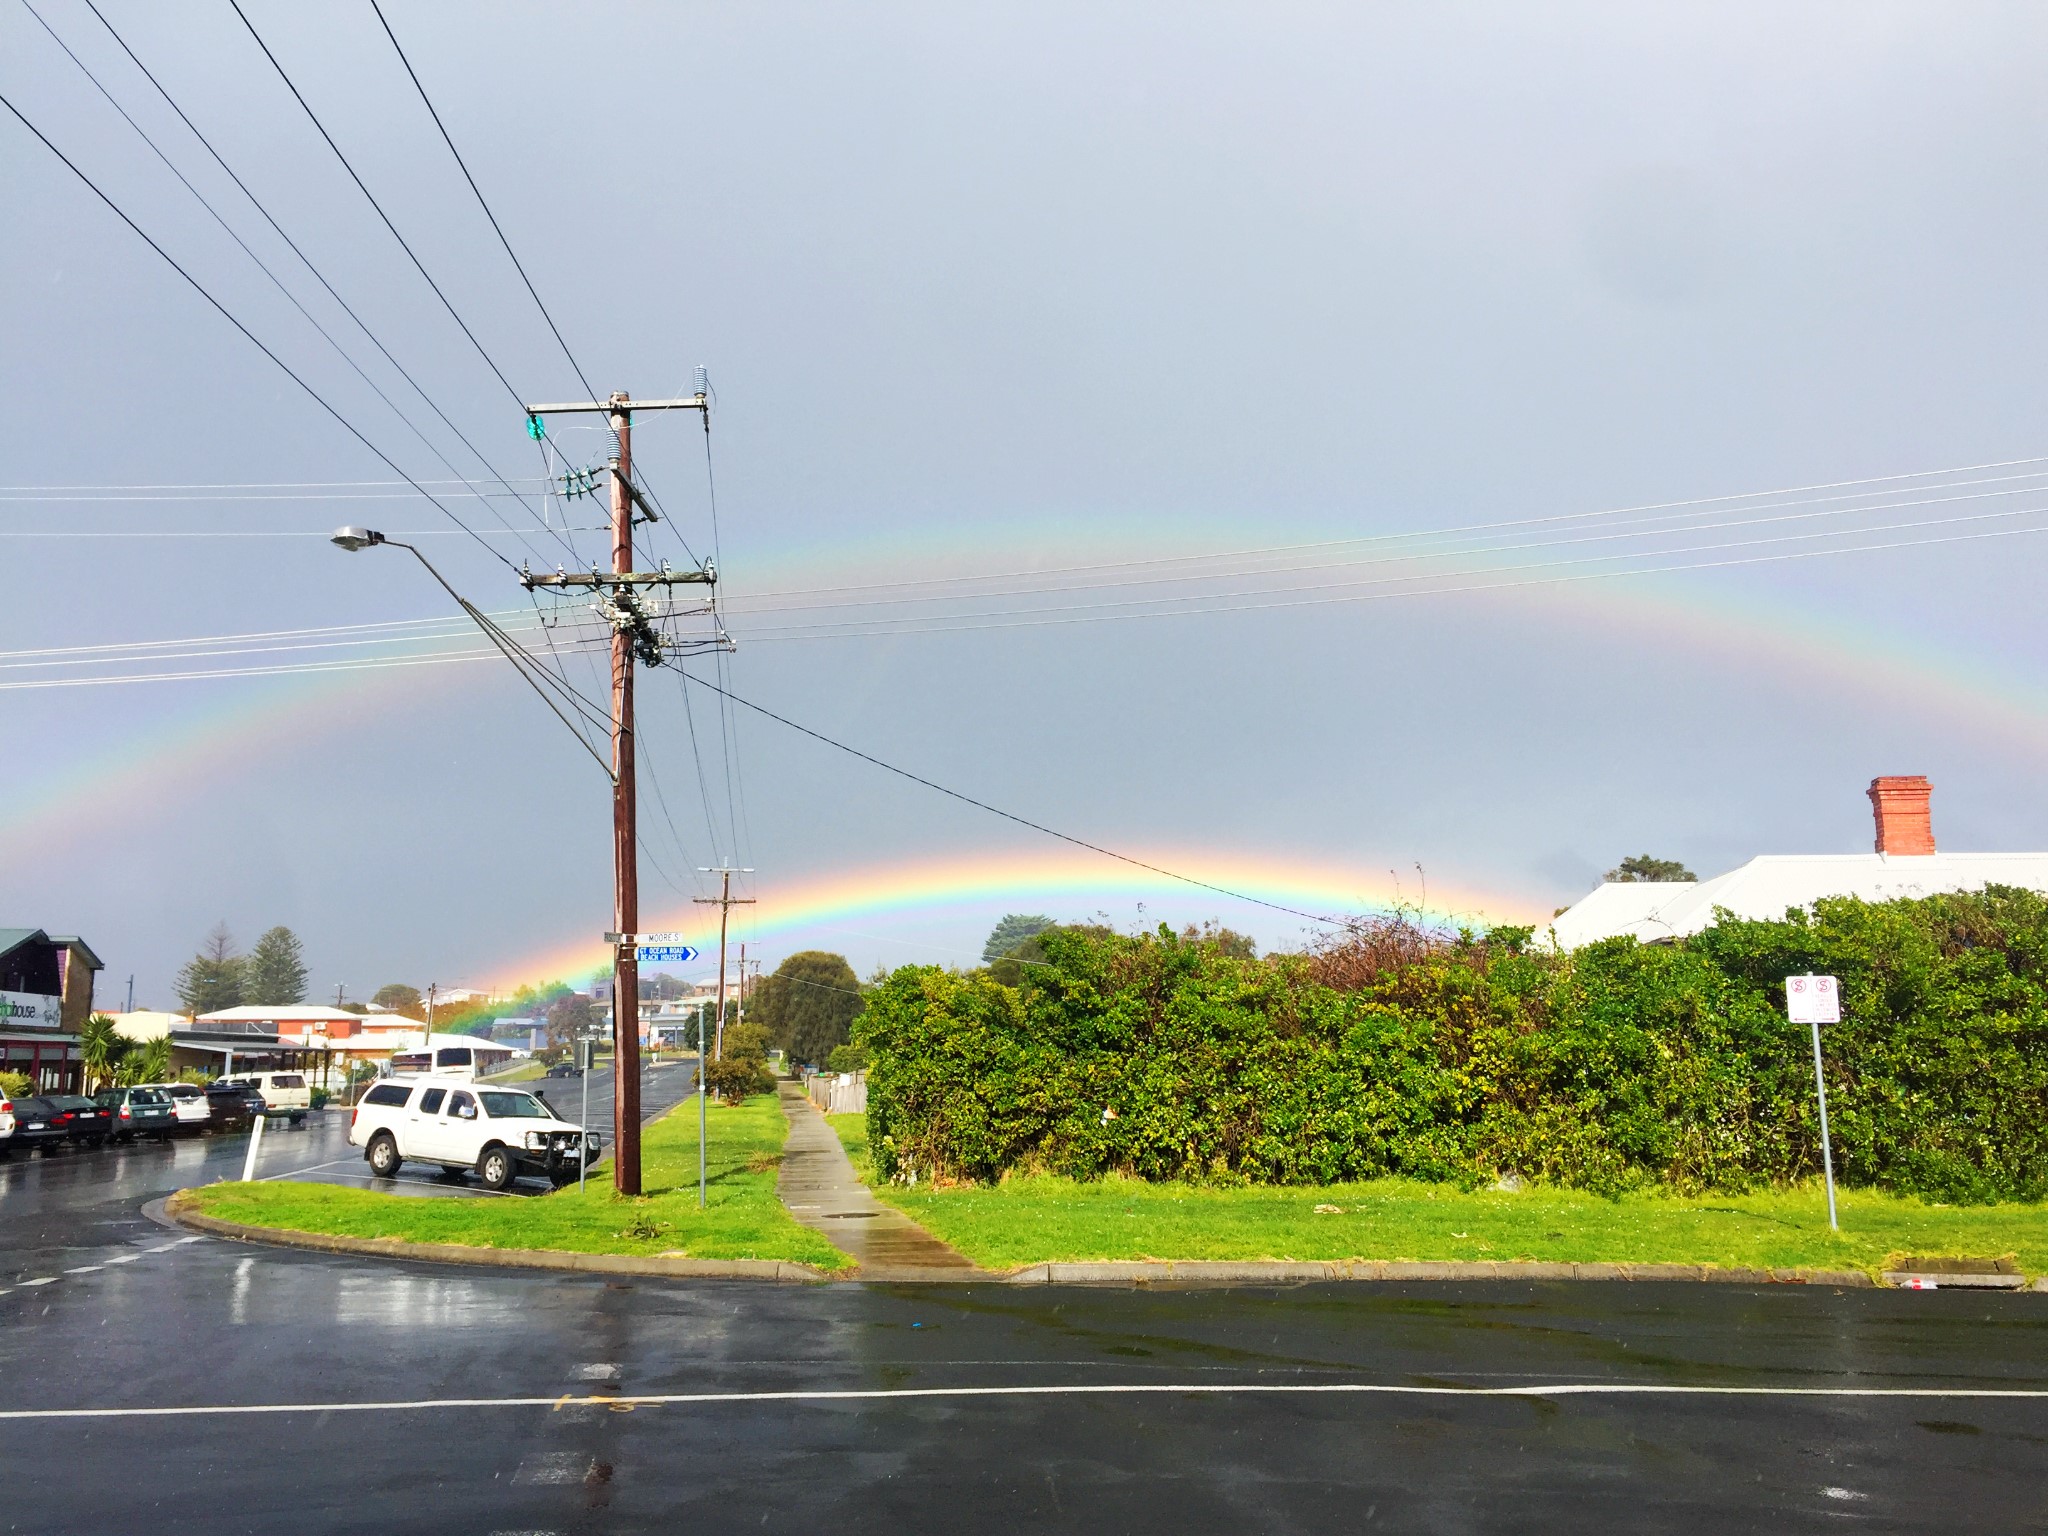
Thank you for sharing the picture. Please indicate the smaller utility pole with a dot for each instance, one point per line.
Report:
(131, 994)
(339, 988)
(432, 987)
(725, 902)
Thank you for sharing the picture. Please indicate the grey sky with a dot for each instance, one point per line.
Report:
(987, 288)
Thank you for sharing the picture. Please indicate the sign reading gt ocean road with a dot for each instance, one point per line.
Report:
(657, 947)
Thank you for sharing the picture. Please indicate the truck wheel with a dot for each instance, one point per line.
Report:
(496, 1168)
(383, 1155)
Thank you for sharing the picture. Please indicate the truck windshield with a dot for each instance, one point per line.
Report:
(514, 1106)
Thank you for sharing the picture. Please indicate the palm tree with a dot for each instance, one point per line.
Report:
(149, 1063)
(100, 1049)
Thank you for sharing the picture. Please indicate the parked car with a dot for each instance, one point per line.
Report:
(188, 1103)
(86, 1121)
(563, 1069)
(38, 1122)
(6, 1123)
(501, 1133)
(232, 1107)
(284, 1093)
(139, 1112)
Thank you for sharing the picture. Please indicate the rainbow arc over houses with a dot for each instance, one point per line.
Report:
(821, 911)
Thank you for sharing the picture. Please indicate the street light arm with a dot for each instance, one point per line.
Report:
(511, 650)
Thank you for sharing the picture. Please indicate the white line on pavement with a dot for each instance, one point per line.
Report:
(46, 1280)
(85, 1269)
(1112, 1389)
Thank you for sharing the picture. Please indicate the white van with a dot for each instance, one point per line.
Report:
(284, 1093)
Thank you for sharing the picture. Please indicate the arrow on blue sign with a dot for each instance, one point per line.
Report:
(676, 954)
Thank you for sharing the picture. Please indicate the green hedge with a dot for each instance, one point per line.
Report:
(1619, 1066)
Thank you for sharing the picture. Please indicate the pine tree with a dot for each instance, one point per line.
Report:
(212, 979)
(808, 1006)
(1010, 932)
(275, 970)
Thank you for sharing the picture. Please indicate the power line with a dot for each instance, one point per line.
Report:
(581, 377)
(1022, 821)
(417, 263)
(284, 367)
(321, 277)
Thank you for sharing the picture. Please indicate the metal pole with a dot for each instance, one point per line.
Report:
(625, 839)
(1827, 1157)
(581, 1057)
(700, 1106)
(724, 911)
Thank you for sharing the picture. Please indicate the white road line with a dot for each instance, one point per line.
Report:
(1112, 1389)
(161, 1248)
(46, 1280)
(315, 1168)
(85, 1269)
(126, 1258)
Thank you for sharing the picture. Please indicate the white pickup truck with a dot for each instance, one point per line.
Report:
(500, 1133)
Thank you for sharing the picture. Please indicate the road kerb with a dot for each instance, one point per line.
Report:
(782, 1271)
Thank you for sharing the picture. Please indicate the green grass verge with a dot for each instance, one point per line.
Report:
(743, 1220)
(525, 1072)
(1032, 1220)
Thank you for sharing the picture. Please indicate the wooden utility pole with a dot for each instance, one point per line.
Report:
(625, 837)
(726, 902)
(633, 638)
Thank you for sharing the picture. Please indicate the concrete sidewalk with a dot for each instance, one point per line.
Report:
(822, 1192)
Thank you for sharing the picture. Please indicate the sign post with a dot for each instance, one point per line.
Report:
(1817, 1000)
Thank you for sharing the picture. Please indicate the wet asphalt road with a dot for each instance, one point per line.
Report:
(131, 1315)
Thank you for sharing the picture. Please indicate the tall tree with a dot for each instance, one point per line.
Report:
(275, 973)
(1010, 932)
(212, 979)
(1643, 867)
(397, 997)
(569, 1019)
(808, 1005)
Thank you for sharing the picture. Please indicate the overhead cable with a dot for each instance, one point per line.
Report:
(1022, 821)
(321, 277)
(284, 367)
(314, 118)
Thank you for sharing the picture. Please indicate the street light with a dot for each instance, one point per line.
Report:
(353, 539)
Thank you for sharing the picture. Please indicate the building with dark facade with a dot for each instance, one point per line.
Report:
(45, 998)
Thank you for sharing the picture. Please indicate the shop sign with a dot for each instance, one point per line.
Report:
(30, 1010)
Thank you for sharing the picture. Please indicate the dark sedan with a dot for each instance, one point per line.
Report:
(139, 1112)
(230, 1107)
(38, 1122)
(86, 1121)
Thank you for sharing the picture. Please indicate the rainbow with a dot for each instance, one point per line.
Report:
(181, 757)
(900, 905)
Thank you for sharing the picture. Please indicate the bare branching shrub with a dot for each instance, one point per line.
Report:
(1368, 950)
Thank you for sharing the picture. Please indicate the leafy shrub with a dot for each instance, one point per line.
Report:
(847, 1058)
(15, 1085)
(732, 1078)
(1395, 1050)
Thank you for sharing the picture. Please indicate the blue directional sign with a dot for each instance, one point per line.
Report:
(673, 954)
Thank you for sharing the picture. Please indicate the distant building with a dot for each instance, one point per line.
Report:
(46, 985)
(1905, 863)
(217, 1046)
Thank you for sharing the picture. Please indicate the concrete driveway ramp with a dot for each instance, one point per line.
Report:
(822, 1192)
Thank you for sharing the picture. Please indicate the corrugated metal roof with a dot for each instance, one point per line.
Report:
(1770, 884)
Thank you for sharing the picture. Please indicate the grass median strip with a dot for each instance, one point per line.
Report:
(744, 1220)
(1030, 1220)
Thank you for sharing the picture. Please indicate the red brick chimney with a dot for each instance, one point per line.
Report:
(1904, 825)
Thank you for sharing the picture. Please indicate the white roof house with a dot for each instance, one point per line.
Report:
(1905, 864)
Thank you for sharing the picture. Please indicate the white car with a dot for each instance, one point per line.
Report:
(189, 1100)
(501, 1133)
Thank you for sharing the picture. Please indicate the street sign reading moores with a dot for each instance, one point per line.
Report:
(1813, 1000)
(675, 954)
(643, 938)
